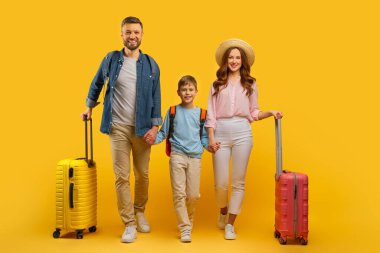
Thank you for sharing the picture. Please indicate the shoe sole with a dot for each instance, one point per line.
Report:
(128, 241)
(186, 240)
(230, 238)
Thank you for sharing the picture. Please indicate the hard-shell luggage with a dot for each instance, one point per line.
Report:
(291, 219)
(76, 193)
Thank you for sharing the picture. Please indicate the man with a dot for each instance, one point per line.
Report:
(131, 116)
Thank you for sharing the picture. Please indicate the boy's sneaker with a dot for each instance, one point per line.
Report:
(142, 223)
(129, 234)
(229, 233)
(222, 221)
(186, 236)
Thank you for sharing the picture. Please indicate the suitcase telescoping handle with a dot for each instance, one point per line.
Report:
(278, 149)
(91, 161)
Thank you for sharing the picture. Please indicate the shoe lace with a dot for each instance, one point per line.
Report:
(129, 229)
(185, 233)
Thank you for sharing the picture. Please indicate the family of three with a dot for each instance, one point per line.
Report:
(132, 116)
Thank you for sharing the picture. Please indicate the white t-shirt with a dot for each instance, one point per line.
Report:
(124, 100)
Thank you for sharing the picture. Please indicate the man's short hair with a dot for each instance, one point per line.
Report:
(187, 80)
(131, 20)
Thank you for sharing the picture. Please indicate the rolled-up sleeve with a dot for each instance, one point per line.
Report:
(253, 104)
(211, 110)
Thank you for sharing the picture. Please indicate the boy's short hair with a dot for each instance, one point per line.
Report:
(187, 80)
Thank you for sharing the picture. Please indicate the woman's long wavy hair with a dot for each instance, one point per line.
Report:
(246, 79)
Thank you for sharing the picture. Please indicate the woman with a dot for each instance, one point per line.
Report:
(232, 106)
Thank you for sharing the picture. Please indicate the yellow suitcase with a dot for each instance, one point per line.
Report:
(76, 194)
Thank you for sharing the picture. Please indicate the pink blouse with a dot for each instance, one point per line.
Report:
(232, 101)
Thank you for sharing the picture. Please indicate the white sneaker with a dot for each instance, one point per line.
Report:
(186, 236)
(222, 221)
(129, 234)
(229, 233)
(142, 223)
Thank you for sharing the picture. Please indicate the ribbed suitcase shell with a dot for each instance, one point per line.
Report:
(83, 214)
(291, 218)
(291, 200)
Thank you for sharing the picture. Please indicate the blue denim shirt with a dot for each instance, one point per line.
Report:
(148, 93)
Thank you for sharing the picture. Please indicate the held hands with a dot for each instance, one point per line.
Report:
(151, 135)
(213, 146)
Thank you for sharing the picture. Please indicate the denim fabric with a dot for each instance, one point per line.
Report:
(148, 93)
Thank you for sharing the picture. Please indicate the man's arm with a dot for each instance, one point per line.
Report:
(96, 86)
(156, 96)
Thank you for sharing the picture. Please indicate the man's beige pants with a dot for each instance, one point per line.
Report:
(123, 140)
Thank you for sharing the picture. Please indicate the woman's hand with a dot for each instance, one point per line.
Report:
(276, 114)
(213, 146)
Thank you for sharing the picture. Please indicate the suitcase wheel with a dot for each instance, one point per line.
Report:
(79, 234)
(277, 234)
(92, 229)
(56, 233)
(303, 241)
(282, 240)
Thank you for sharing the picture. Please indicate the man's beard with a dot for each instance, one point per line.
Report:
(130, 47)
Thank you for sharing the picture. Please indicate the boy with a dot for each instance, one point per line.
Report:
(186, 138)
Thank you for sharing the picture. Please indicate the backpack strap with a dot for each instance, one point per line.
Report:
(171, 122)
(110, 57)
(153, 66)
(202, 120)
(106, 69)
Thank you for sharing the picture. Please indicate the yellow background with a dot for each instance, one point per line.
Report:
(317, 61)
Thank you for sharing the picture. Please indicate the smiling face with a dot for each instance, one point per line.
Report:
(187, 93)
(234, 60)
(131, 35)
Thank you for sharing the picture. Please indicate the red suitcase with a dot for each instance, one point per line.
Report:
(291, 219)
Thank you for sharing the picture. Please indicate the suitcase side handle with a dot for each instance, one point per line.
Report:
(91, 161)
(278, 148)
(71, 193)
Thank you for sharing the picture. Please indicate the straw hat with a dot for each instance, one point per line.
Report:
(225, 45)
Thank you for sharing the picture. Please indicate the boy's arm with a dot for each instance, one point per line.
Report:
(164, 131)
(204, 138)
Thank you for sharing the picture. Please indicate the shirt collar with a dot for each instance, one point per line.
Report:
(121, 57)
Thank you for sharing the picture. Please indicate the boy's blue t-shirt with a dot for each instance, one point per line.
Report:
(186, 136)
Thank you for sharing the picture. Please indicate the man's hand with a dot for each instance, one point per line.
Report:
(87, 114)
(151, 135)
